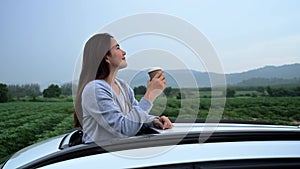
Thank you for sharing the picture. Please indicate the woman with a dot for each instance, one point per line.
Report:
(105, 105)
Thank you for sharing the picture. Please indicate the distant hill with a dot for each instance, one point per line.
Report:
(270, 82)
(192, 78)
(268, 72)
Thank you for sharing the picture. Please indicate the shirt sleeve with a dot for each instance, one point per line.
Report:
(108, 114)
(134, 102)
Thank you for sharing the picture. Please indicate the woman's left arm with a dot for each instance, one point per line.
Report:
(162, 122)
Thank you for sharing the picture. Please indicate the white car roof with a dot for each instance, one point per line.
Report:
(181, 133)
(225, 127)
(34, 152)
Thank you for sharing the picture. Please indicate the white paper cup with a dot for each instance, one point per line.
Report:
(153, 70)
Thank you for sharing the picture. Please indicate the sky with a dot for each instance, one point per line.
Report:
(41, 41)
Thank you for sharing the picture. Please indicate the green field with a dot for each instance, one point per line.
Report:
(273, 110)
(24, 123)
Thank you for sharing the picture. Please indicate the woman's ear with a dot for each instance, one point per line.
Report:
(106, 59)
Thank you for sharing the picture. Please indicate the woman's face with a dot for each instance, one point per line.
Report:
(117, 58)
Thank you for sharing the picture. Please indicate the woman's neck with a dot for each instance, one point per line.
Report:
(110, 79)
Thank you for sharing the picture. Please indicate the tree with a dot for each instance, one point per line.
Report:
(269, 91)
(66, 89)
(260, 89)
(52, 91)
(230, 92)
(140, 90)
(297, 91)
(168, 91)
(280, 92)
(32, 90)
(180, 96)
(3, 93)
(18, 91)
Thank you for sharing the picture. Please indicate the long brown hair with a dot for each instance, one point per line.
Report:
(103, 69)
(94, 67)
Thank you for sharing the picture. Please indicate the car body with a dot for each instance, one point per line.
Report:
(187, 145)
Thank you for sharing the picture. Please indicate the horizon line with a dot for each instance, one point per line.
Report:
(243, 71)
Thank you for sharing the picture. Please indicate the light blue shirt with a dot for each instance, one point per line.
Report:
(108, 115)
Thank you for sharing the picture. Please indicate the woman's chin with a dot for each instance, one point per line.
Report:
(123, 65)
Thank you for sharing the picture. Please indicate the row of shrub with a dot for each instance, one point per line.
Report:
(274, 110)
(24, 123)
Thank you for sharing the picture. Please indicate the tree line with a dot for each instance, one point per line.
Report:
(15, 92)
(231, 91)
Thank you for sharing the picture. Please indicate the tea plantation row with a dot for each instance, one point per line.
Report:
(24, 123)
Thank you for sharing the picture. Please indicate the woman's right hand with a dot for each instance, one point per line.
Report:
(156, 86)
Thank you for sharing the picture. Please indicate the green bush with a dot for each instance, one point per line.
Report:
(24, 123)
